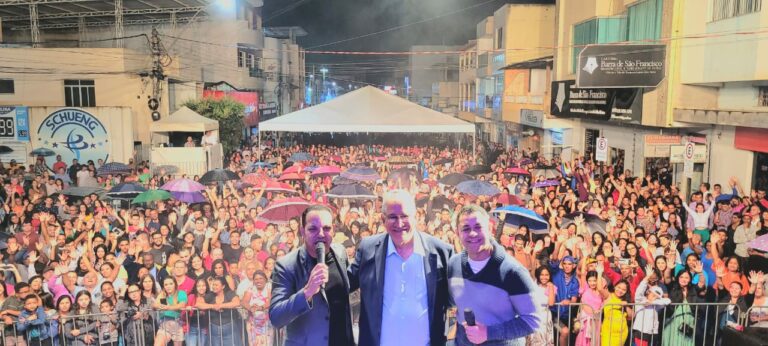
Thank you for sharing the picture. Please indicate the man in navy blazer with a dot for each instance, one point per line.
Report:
(402, 279)
(311, 314)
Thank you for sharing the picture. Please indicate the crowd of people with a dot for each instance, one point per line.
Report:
(623, 254)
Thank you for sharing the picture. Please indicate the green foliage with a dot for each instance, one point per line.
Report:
(228, 112)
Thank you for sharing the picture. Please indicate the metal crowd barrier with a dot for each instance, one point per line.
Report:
(676, 324)
(192, 327)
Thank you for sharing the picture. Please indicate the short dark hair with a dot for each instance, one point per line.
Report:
(313, 208)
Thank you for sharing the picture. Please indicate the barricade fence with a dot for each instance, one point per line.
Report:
(572, 324)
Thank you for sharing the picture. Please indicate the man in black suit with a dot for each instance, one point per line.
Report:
(402, 279)
(313, 315)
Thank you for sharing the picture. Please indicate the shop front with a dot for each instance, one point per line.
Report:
(754, 140)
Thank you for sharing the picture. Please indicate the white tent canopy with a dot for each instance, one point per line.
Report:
(184, 120)
(368, 110)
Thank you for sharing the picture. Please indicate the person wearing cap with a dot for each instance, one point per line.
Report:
(567, 284)
(507, 304)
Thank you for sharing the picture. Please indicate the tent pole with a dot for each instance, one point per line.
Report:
(474, 146)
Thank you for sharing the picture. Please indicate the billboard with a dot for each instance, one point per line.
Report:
(622, 105)
(250, 99)
(621, 66)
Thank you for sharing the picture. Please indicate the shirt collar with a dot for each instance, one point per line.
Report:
(418, 247)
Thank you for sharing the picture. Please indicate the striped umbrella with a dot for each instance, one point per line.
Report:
(282, 210)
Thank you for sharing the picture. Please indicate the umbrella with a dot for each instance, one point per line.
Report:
(443, 161)
(151, 196)
(4, 149)
(301, 156)
(438, 202)
(82, 191)
(189, 197)
(218, 175)
(260, 164)
(402, 177)
(126, 190)
(280, 211)
(291, 176)
(454, 179)
(183, 185)
(336, 158)
(478, 169)
(297, 168)
(524, 162)
(760, 243)
(478, 188)
(516, 170)
(114, 168)
(400, 160)
(510, 199)
(593, 222)
(342, 181)
(255, 179)
(326, 171)
(548, 173)
(361, 174)
(351, 191)
(42, 152)
(276, 186)
(546, 183)
(517, 216)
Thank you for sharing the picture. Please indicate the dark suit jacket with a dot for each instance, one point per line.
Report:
(305, 324)
(367, 273)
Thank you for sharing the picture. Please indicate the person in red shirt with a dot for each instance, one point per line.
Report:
(184, 282)
(59, 164)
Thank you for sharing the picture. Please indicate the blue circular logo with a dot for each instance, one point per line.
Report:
(74, 134)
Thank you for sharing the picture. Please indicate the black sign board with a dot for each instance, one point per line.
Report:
(625, 105)
(621, 66)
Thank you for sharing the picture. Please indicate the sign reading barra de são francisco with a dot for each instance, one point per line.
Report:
(621, 66)
(622, 105)
(74, 134)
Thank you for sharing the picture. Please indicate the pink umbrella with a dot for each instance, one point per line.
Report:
(183, 185)
(325, 171)
(281, 211)
(516, 170)
(276, 186)
(294, 169)
(760, 243)
(336, 158)
(255, 179)
(291, 176)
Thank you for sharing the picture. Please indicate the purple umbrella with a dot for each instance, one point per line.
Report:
(189, 197)
(760, 243)
(183, 185)
(546, 183)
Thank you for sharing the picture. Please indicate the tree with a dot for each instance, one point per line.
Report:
(229, 114)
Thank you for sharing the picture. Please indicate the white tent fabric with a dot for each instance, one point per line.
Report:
(184, 120)
(367, 110)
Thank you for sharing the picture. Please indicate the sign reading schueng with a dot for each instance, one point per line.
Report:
(621, 66)
(625, 105)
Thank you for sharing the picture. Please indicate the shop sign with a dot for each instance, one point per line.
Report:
(74, 134)
(14, 123)
(621, 105)
(677, 154)
(532, 117)
(621, 66)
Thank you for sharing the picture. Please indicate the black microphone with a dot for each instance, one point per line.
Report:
(320, 252)
(469, 317)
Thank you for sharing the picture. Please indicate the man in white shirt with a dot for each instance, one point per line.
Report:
(209, 138)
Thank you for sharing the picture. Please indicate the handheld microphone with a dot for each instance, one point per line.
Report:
(320, 252)
(469, 317)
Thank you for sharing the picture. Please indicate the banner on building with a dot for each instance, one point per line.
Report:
(622, 105)
(621, 66)
(74, 134)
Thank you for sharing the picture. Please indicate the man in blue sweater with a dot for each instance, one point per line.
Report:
(496, 287)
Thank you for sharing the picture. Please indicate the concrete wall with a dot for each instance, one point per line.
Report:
(426, 69)
(529, 31)
(727, 161)
(115, 73)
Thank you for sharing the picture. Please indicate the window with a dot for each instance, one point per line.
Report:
(241, 57)
(762, 96)
(597, 31)
(499, 38)
(79, 93)
(249, 61)
(724, 9)
(6, 86)
(590, 141)
(644, 20)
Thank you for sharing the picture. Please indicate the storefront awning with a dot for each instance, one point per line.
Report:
(752, 139)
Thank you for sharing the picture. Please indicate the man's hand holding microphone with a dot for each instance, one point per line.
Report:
(319, 275)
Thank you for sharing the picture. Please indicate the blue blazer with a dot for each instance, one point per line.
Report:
(367, 273)
(305, 324)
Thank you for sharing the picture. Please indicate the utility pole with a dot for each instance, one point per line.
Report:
(157, 74)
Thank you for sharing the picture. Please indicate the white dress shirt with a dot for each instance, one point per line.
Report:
(405, 311)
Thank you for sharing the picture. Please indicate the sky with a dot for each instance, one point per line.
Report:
(330, 21)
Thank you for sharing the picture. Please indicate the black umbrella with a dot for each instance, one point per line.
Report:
(126, 190)
(478, 169)
(593, 222)
(351, 191)
(454, 179)
(42, 152)
(339, 180)
(218, 175)
(438, 203)
(76, 191)
(4, 149)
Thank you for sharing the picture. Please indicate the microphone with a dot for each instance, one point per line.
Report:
(320, 252)
(469, 317)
